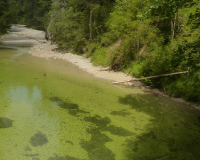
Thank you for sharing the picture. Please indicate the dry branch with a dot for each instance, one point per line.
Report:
(128, 72)
(151, 77)
(142, 50)
(105, 69)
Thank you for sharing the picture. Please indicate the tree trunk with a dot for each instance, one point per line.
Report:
(138, 43)
(91, 32)
(173, 28)
(172, 31)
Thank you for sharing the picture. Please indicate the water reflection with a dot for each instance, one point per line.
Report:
(40, 129)
(8, 47)
(25, 95)
(29, 128)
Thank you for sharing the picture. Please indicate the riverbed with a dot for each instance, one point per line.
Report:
(52, 110)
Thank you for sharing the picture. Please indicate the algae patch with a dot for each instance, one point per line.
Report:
(96, 146)
(63, 158)
(173, 135)
(58, 117)
(120, 113)
(27, 148)
(72, 108)
(31, 155)
(5, 122)
(38, 139)
(103, 124)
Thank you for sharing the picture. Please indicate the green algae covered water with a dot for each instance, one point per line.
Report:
(50, 110)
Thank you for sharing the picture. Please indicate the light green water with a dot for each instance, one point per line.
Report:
(50, 110)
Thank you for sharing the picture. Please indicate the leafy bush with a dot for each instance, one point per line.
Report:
(100, 57)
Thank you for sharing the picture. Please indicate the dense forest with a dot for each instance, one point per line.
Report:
(143, 37)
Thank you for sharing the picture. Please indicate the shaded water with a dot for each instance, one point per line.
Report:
(50, 110)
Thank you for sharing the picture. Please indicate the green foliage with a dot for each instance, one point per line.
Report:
(4, 16)
(109, 38)
(66, 34)
(78, 47)
(33, 13)
(79, 22)
(186, 86)
(90, 49)
(100, 57)
(134, 39)
(36, 12)
(118, 59)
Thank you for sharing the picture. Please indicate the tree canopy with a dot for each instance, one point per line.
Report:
(4, 15)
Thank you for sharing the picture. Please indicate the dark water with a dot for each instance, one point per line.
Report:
(50, 110)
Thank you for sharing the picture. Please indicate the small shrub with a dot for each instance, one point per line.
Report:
(78, 47)
(100, 57)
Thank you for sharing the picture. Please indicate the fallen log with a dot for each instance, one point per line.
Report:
(151, 77)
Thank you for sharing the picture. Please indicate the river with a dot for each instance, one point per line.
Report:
(51, 110)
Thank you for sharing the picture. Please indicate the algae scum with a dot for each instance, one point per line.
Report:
(50, 110)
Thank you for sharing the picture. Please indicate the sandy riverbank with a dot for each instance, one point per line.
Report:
(46, 50)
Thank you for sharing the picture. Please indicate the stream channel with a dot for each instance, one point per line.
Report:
(51, 110)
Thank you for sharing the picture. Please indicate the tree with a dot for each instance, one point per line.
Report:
(4, 15)
(167, 12)
(79, 21)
